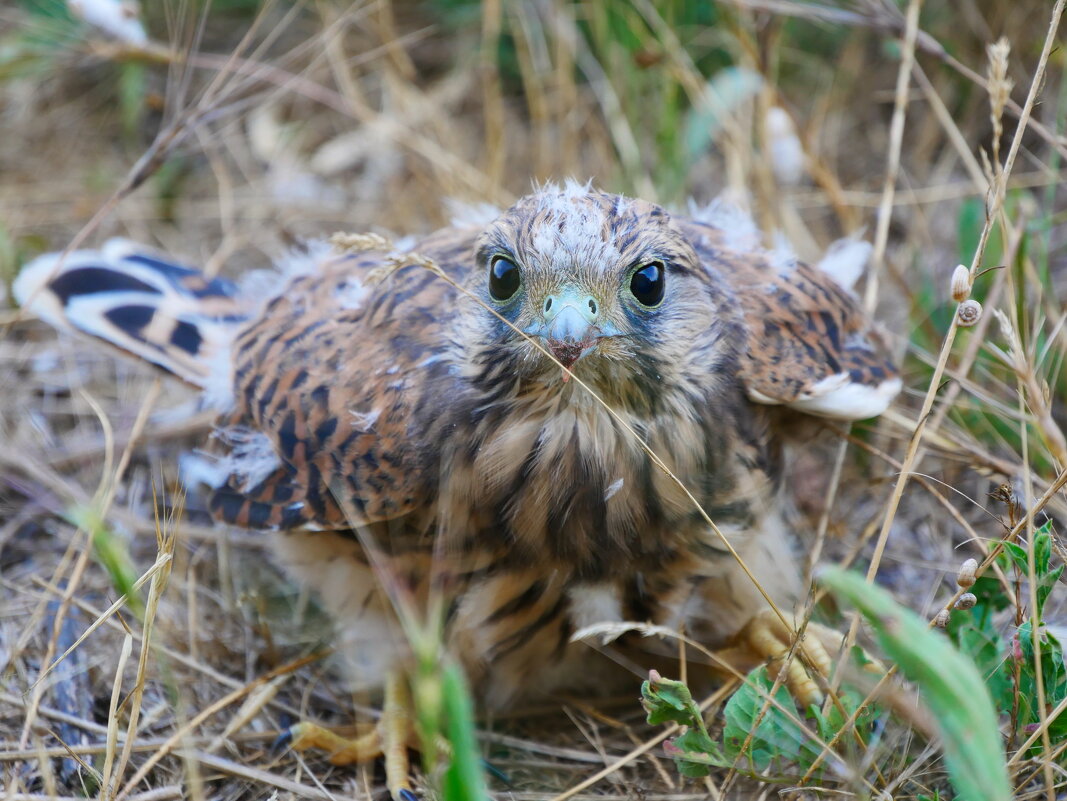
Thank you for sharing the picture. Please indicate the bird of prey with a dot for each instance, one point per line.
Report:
(489, 439)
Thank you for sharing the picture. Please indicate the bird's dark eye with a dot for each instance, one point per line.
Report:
(648, 284)
(503, 278)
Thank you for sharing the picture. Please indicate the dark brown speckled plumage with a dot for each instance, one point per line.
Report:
(403, 416)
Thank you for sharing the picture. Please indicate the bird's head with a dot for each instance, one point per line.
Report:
(606, 284)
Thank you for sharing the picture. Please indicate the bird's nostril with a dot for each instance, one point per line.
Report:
(592, 306)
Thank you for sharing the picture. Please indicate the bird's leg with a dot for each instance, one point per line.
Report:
(397, 732)
(389, 739)
(766, 639)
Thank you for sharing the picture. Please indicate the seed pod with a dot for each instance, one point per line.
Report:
(965, 578)
(968, 313)
(961, 283)
(941, 620)
(966, 601)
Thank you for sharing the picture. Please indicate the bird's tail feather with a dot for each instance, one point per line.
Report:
(143, 303)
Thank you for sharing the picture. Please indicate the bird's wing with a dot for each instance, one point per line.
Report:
(810, 345)
(339, 376)
(139, 301)
(322, 376)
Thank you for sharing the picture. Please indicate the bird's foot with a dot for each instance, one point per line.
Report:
(390, 739)
(766, 639)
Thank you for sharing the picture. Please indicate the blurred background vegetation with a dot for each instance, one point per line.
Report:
(226, 132)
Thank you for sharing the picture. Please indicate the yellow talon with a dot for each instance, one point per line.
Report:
(390, 739)
(765, 639)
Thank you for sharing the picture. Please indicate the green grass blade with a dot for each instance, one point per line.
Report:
(948, 682)
(464, 779)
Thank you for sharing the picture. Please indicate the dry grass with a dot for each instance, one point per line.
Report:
(229, 140)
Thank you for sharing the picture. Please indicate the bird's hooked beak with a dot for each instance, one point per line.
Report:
(571, 325)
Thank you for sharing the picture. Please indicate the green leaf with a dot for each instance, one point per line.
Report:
(830, 724)
(1042, 548)
(777, 738)
(1044, 587)
(1054, 678)
(1046, 576)
(975, 633)
(949, 684)
(667, 700)
(1017, 556)
(695, 753)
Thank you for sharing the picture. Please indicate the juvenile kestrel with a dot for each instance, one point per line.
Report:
(396, 421)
